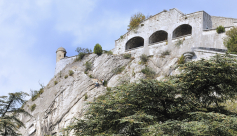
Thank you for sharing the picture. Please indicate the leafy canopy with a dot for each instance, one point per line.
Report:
(186, 104)
(135, 20)
(9, 113)
(82, 52)
(231, 40)
(98, 49)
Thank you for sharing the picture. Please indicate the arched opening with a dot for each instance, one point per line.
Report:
(158, 36)
(134, 43)
(181, 30)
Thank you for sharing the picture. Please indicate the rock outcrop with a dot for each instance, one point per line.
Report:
(65, 98)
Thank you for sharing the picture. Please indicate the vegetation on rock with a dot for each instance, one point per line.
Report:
(181, 60)
(135, 20)
(185, 104)
(165, 53)
(118, 70)
(220, 29)
(10, 112)
(231, 40)
(98, 49)
(88, 65)
(126, 56)
(144, 58)
(70, 72)
(35, 94)
(150, 74)
(82, 52)
(32, 107)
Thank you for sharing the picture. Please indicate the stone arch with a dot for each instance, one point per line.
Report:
(134, 43)
(158, 36)
(181, 30)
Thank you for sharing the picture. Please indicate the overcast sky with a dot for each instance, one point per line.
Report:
(32, 30)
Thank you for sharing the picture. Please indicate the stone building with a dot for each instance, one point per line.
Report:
(168, 30)
(193, 35)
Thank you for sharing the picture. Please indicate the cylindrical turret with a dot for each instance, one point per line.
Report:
(60, 53)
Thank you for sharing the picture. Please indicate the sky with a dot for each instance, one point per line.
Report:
(32, 30)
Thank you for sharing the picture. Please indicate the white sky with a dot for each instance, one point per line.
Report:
(32, 30)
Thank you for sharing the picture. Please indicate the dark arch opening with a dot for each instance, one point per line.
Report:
(158, 36)
(134, 43)
(181, 30)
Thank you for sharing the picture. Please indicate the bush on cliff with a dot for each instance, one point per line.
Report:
(98, 49)
(220, 29)
(135, 20)
(186, 104)
(82, 52)
(231, 40)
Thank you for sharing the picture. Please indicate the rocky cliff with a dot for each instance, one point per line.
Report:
(64, 99)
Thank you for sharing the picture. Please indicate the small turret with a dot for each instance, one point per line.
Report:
(60, 53)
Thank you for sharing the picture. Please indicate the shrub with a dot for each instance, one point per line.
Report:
(118, 70)
(144, 58)
(35, 94)
(126, 56)
(121, 37)
(220, 29)
(178, 43)
(135, 20)
(66, 76)
(108, 89)
(32, 107)
(98, 49)
(35, 97)
(150, 74)
(108, 52)
(41, 91)
(86, 96)
(82, 52)
(105, 83)
(231, 40)
(70, 72)
(90, 76)
(80, 56)
(88, 65)
(163, 54)
(55, 82)
(181, 60)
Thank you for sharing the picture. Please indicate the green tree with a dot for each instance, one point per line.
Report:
(231, 40)
(135, 20)
(9, 113)
(186, 104)
(82, 52)
(98, 49)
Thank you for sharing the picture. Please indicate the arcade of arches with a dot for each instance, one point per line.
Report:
(159, 36)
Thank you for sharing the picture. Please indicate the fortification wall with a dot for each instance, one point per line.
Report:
(203, 33)
(62, 63)
(224, 21)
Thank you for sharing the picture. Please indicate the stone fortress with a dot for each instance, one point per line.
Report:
(193, 35)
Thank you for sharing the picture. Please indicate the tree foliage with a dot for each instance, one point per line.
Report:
(220, 29)
(231, 40)
(135, 20)
(82, 52)
(9, 113)
(186, 104)
(98, 49)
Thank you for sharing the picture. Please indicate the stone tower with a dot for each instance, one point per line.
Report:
(61, 53)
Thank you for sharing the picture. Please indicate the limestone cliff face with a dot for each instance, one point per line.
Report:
(60, 103)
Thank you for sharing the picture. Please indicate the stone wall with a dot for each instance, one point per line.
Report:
(203, 33)
(62, 63)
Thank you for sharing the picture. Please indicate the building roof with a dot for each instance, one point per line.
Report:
(60, 49)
